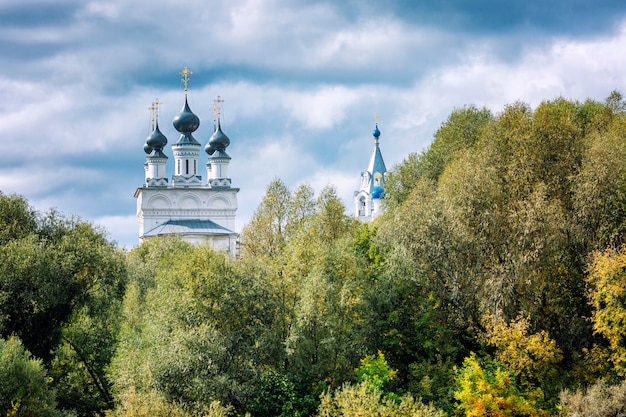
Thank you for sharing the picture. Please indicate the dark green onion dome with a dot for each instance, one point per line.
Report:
(217, 142)
(185, 121)
(156, 140)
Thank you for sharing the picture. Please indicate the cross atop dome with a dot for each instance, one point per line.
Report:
(185, 73)
(154, 113)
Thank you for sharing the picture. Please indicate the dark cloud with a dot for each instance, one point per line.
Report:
(488, 17)
(37, 14)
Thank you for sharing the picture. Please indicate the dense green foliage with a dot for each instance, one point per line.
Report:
(493, 285)
(61, 287)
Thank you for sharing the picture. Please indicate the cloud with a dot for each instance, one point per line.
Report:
(301, 81)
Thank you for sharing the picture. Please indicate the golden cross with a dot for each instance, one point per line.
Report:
(376, 118)
(214, 109)
(154, 112)
(218, 105)
(186, 73)
(153, 109)
(157, 105)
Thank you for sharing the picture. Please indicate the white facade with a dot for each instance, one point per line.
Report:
(196, 214)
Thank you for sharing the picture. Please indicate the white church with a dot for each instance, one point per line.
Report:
(367, 200)
(186, 206)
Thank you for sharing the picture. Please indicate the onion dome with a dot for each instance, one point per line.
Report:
(376, 132)
(156, 140)
(377, 192)
(147, 149)
(217, 141)
(186, 121)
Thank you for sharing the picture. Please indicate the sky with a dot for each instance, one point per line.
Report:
(301, 82)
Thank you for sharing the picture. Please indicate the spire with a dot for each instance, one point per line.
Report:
(187, 149)
(157, 140)
(367, 203)
(156, 159)
(377, 164)
(217, 166)
(186, 122)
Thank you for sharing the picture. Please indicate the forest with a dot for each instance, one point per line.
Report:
(493, 285)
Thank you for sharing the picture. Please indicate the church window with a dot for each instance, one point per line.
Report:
(187, 166)
(362, 207)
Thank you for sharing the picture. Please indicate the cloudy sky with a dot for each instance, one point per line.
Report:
(301, 82)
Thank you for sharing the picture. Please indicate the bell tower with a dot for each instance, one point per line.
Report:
(367, 200)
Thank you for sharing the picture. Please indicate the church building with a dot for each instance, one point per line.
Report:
(367, 200)
(188, 207)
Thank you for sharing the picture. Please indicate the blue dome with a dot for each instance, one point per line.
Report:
(217, 141)
(156, 140)
(376, 132)
(186, 121)
(378, 191)
(147, 149)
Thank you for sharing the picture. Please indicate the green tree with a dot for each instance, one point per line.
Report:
(193, 335)
(457, 134)
(17, 218)
(24, 385)
(360, 400)
(367, 397)
(265, 235)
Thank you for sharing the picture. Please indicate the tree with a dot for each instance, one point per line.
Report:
(193, 335)
(532, 358)
(490, 390)
(61, 283)
(457, 134)
(265, 234)
(368, 397)
(17, 218)
(597, 400)
(600, 190)
(607, 274)
(24, 385)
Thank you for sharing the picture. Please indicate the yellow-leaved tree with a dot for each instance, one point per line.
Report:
(607, 293)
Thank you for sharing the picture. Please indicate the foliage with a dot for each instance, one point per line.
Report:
(521, 213)
(375, 371)
(491, 390)
(458, 133)
(275, 396)
(265, 234)
(532, 358)
(17, 218)
(24, 386)
(193, 335)
(598, 400)
(361, 400)
(606, 278)
(61, 283)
